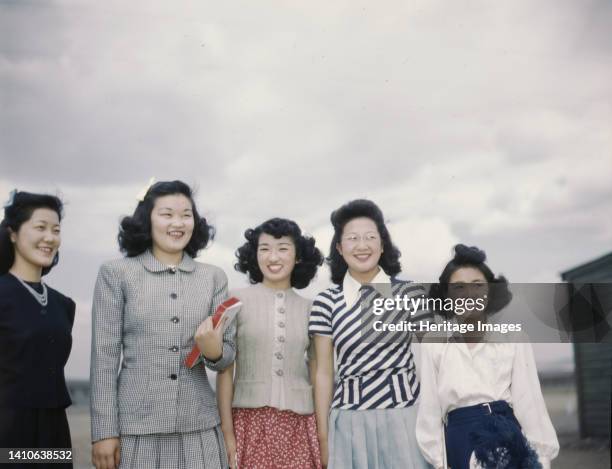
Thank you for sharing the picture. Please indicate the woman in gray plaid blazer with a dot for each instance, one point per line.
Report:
(148, 410)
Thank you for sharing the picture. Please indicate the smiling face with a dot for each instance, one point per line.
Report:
(276, 260)
(361, 247)
(37, 240)
(172, 225)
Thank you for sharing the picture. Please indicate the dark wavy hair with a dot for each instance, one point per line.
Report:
(15, 215)
(307, 255)
(499, 294)
(135, 231)
(389, 260)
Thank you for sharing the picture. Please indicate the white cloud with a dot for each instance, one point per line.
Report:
(477, 122)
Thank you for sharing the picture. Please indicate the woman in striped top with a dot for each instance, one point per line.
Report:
(372, 418)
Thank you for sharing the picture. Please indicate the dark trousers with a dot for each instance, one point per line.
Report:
(492, 431)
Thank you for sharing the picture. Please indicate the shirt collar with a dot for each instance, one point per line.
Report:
(351, 287)
(150, 262)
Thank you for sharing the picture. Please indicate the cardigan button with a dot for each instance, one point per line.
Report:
(279, 372)
(174, 296)
(174, 349)
(278, 355)
(175, 320)
(281, 310)
(280, 294)
(281, 338)
(281, 324)
(173, 377)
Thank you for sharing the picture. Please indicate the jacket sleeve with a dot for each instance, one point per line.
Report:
(229, 345)
(71, 308)
(106, 338)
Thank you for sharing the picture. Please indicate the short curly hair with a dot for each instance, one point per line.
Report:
(307, 255)
(499, 294)
(389, 260)
(135, 231)
(16, 214)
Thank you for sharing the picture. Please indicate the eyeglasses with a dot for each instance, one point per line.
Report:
(367, 238)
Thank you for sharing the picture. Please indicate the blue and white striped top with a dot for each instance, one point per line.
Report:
(373, 372)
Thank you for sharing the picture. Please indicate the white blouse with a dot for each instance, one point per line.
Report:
(453, 376)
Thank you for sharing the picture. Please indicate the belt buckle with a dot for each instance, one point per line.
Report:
(488, 406)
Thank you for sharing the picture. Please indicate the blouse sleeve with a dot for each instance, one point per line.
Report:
(529, 406)
(320, 322)
(229, 345)
(310, 351)
(107, 324)
(430, 423)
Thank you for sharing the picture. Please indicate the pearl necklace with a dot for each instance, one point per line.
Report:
(42, 298)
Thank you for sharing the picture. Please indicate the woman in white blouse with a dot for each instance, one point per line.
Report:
(481, 403)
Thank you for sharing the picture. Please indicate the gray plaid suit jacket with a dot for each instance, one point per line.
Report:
(144, 318)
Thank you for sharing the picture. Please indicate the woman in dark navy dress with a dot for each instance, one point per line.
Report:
(35, 328)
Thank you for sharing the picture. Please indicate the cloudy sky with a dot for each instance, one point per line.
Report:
(480, 122)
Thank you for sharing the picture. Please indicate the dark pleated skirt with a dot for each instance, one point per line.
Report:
(35, 428)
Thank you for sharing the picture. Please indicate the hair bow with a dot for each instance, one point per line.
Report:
(141, 195)
(11, 198)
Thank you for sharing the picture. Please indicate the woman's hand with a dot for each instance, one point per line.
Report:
(210, 339)
(230, 446)
(324, 452)
(105, 454)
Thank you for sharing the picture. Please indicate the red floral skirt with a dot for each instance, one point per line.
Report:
(268, 438)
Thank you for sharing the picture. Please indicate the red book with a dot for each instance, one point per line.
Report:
(229, 308)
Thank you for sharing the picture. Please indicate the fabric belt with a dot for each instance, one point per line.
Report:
(478, 410)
